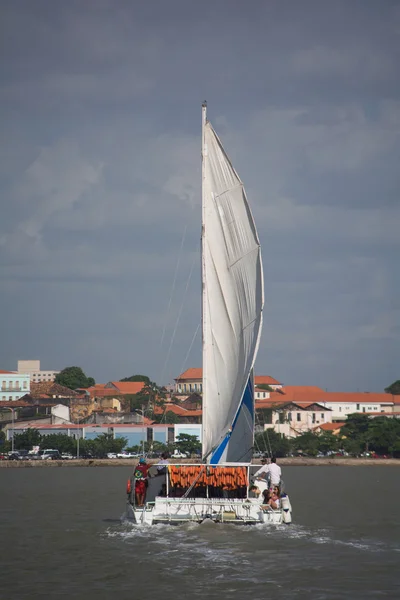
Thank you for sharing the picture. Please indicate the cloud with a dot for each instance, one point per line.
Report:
(101, 181)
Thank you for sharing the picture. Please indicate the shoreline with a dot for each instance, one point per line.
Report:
(130, 462)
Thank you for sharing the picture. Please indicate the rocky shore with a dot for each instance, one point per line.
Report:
(115, 462)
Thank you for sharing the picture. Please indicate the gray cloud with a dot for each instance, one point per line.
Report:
(100, 178)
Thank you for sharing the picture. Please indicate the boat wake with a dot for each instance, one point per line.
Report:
(260, 535)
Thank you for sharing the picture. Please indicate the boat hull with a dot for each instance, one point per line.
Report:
(197, 510)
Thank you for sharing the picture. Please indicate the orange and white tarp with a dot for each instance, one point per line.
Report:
(228, 478)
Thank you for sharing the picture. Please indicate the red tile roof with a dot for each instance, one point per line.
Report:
(192, 373)
(265, 380)
(14, 404)
(197, 373)
(118, 388)
(129, 387)
(330, 426)
(283, 401)
(358, 397)
(177, 410)
(9, 372)
(50, 388)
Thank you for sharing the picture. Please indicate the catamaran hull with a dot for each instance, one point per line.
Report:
(196, 510)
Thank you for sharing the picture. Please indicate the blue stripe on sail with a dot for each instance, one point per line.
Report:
(248, 402)
(217, 454)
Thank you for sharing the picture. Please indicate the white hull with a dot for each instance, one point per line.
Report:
(196, 510)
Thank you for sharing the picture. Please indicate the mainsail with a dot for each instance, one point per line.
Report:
(233, 299)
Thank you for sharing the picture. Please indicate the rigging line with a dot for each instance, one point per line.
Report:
(186, 494)
(173, 286)
(179, 316)
(190, 348)
(258, 420)
(269, 444)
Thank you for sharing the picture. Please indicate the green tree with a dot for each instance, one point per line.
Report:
(103, 444)
(4, 445)
(352, 445)
(384, 435)
(307, 443)
(356, 429)
(272, 442)
(188, 444)
(394, 388)
(264, 416)
(59, 441)
(265, 386)
(73, 378)
(137, 378)
(327, 442)
(27, 439)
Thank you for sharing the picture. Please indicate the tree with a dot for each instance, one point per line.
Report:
(4, 445)
(270, 441)
(264, 416)
(188, 444)
(394, 388)
(384, 435)
(265, 386)
(356, 429)
(59, 441)
(137, 378)
(352, 446)
(307, 443)
(73, 378)
(103, 444)
(170, 417)
(27, 439)
(327, 442)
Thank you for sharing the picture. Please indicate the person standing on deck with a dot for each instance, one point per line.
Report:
(140, 475)
(263, 471)
(272, 473)
(275, 473)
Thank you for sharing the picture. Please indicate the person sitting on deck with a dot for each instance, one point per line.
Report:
(255, 493)
(276, 490)
(266, 497)
(274, 502)
(140, 474)
(162, 464)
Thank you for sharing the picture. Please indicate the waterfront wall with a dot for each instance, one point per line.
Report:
(284, 462)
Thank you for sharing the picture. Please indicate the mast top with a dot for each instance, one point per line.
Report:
(204, 105)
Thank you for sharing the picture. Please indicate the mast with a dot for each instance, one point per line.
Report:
(203, 250)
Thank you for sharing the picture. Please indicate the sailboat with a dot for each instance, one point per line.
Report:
(232, 307)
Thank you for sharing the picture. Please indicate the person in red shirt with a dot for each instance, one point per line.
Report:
(140, 474)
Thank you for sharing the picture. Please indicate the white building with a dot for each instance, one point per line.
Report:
(343, 404)
(13, 385)
(36, 374)
(295, 418)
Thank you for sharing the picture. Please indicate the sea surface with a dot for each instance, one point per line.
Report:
(62, 535)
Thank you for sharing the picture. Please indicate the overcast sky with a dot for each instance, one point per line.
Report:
(100, 181)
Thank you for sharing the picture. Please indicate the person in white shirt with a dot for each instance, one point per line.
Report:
(162, 464)
(275, 472)
(272, 473)
(263, 472)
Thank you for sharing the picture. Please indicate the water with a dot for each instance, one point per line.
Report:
(62, 537)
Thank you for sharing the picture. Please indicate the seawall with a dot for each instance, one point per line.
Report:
(115, 462)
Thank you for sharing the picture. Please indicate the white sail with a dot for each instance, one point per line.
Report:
(232, 307)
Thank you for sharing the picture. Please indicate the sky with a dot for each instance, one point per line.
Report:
(100, 209)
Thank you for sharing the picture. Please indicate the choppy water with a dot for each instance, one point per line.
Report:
(62, 536)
